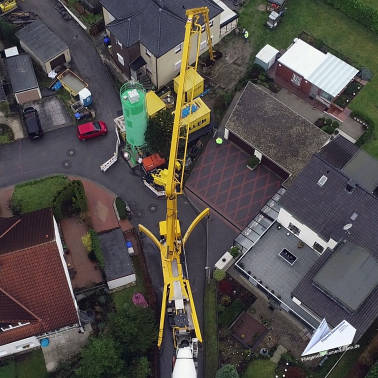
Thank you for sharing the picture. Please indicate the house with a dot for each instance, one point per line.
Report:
(36, 295)
(118, 267)
(316, 74)
(147, 36)
(43, 45)
(320, 259)
(265, 127)
(23, 80)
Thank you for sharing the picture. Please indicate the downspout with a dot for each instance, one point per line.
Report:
(156, 68)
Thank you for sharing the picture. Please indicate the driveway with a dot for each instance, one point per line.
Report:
(222, 180)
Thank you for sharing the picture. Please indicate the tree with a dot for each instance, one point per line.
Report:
(159, 133)
(227, 371)
(140, 368)
(135, 329)
(100, 359)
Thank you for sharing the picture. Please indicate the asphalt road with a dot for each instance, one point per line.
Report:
(61, 152)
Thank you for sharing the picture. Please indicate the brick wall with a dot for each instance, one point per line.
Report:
(286, 74)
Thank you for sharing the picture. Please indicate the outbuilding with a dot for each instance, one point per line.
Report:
(23, 80)
(44, 46)
(266, 57)
(118, 267)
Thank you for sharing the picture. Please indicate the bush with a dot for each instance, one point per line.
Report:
(235, 251)
(87, 241)
(121, 207)
(227, 371)
(368, 134)
(96, 248)
(373, 372)
(225, 300)
(7, 34)
(219, 275)
(253, 162)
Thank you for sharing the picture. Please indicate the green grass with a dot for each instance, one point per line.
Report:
(371, 3)
(125, 295)
(30, 365)
(37, 194)
(211, 330)
(260, 369)
(336, 30)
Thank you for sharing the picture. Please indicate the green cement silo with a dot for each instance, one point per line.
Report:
(133, 100)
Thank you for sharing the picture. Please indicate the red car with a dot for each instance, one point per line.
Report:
(91, 129)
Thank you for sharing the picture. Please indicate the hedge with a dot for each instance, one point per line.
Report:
(359, 11)
(96, 248)
(121, 208)
(368, 134)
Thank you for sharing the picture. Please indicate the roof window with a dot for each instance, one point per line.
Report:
(322, 180)
(354, 216)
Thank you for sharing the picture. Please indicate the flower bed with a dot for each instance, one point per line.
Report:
(348, 94)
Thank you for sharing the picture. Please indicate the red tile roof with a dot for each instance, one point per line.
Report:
(33, 285)
(24, 231)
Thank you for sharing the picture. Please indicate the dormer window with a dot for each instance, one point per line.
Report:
(322, 181)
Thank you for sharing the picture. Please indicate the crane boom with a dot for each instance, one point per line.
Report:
(178, 300)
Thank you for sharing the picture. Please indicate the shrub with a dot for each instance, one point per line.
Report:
(219, 275)
(235, 251)
(79, 198)
(227, 371)
(367, 135)
(225, 287)
(225, 300)
(253, 162)
(96, 248)
(231, 313)
(373, 372)
(121, 207)
(87, 241)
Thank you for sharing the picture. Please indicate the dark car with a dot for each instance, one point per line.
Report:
(91, 130)
(32, 123)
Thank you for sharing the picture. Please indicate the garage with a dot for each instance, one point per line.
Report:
(44, 46)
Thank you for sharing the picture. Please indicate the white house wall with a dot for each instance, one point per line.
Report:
(123, 281)
(306, 234)
(18, 346)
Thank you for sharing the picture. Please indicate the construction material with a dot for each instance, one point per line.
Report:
(104, 167)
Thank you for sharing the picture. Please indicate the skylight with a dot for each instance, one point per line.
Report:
(322, 180)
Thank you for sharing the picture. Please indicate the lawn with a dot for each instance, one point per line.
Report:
(260, 369)
(336, 30)
(37, 194)
(30, 365)
(125, 295)
(211, 330)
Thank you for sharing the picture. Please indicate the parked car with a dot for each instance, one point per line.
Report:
(32, 123)
(91, 130)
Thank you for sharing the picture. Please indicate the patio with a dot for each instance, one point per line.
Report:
(222, 180)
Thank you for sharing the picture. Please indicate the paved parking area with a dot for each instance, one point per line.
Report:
(222, 180)
(52, 113)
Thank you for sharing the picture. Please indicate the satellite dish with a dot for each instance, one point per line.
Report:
(347, 226)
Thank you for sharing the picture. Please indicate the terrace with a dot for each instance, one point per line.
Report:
(277, 263)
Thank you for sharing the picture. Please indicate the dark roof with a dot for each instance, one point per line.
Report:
(325, 307)
(137, 63)
(338, 152)
(159, 25)
(117, 259)
(363, 169)
(26, 231)
(43, 42)
(327, 209)
(349, 276)
(33, 283)
(21, 73)
(268, 125)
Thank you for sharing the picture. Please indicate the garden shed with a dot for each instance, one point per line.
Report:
(118, 267)
(266, 57)
(22, 77)
(44, 46)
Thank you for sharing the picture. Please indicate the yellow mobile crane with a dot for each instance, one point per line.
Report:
(177, 299)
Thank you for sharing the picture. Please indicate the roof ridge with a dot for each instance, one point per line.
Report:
(20, 304)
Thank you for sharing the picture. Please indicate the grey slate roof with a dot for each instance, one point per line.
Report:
(157, 24)
(327, 209)
(338, 152)
(21, 73)
(349, 276)
(117, 260)
(363, 169)
(43, 42)
(275, 130)
(327, 308)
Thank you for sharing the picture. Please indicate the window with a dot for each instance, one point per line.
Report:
(120, 59)
(294, 229)
(178, 48)
(148, 52)
(295, 79)
(119, 44)
(318, 247)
